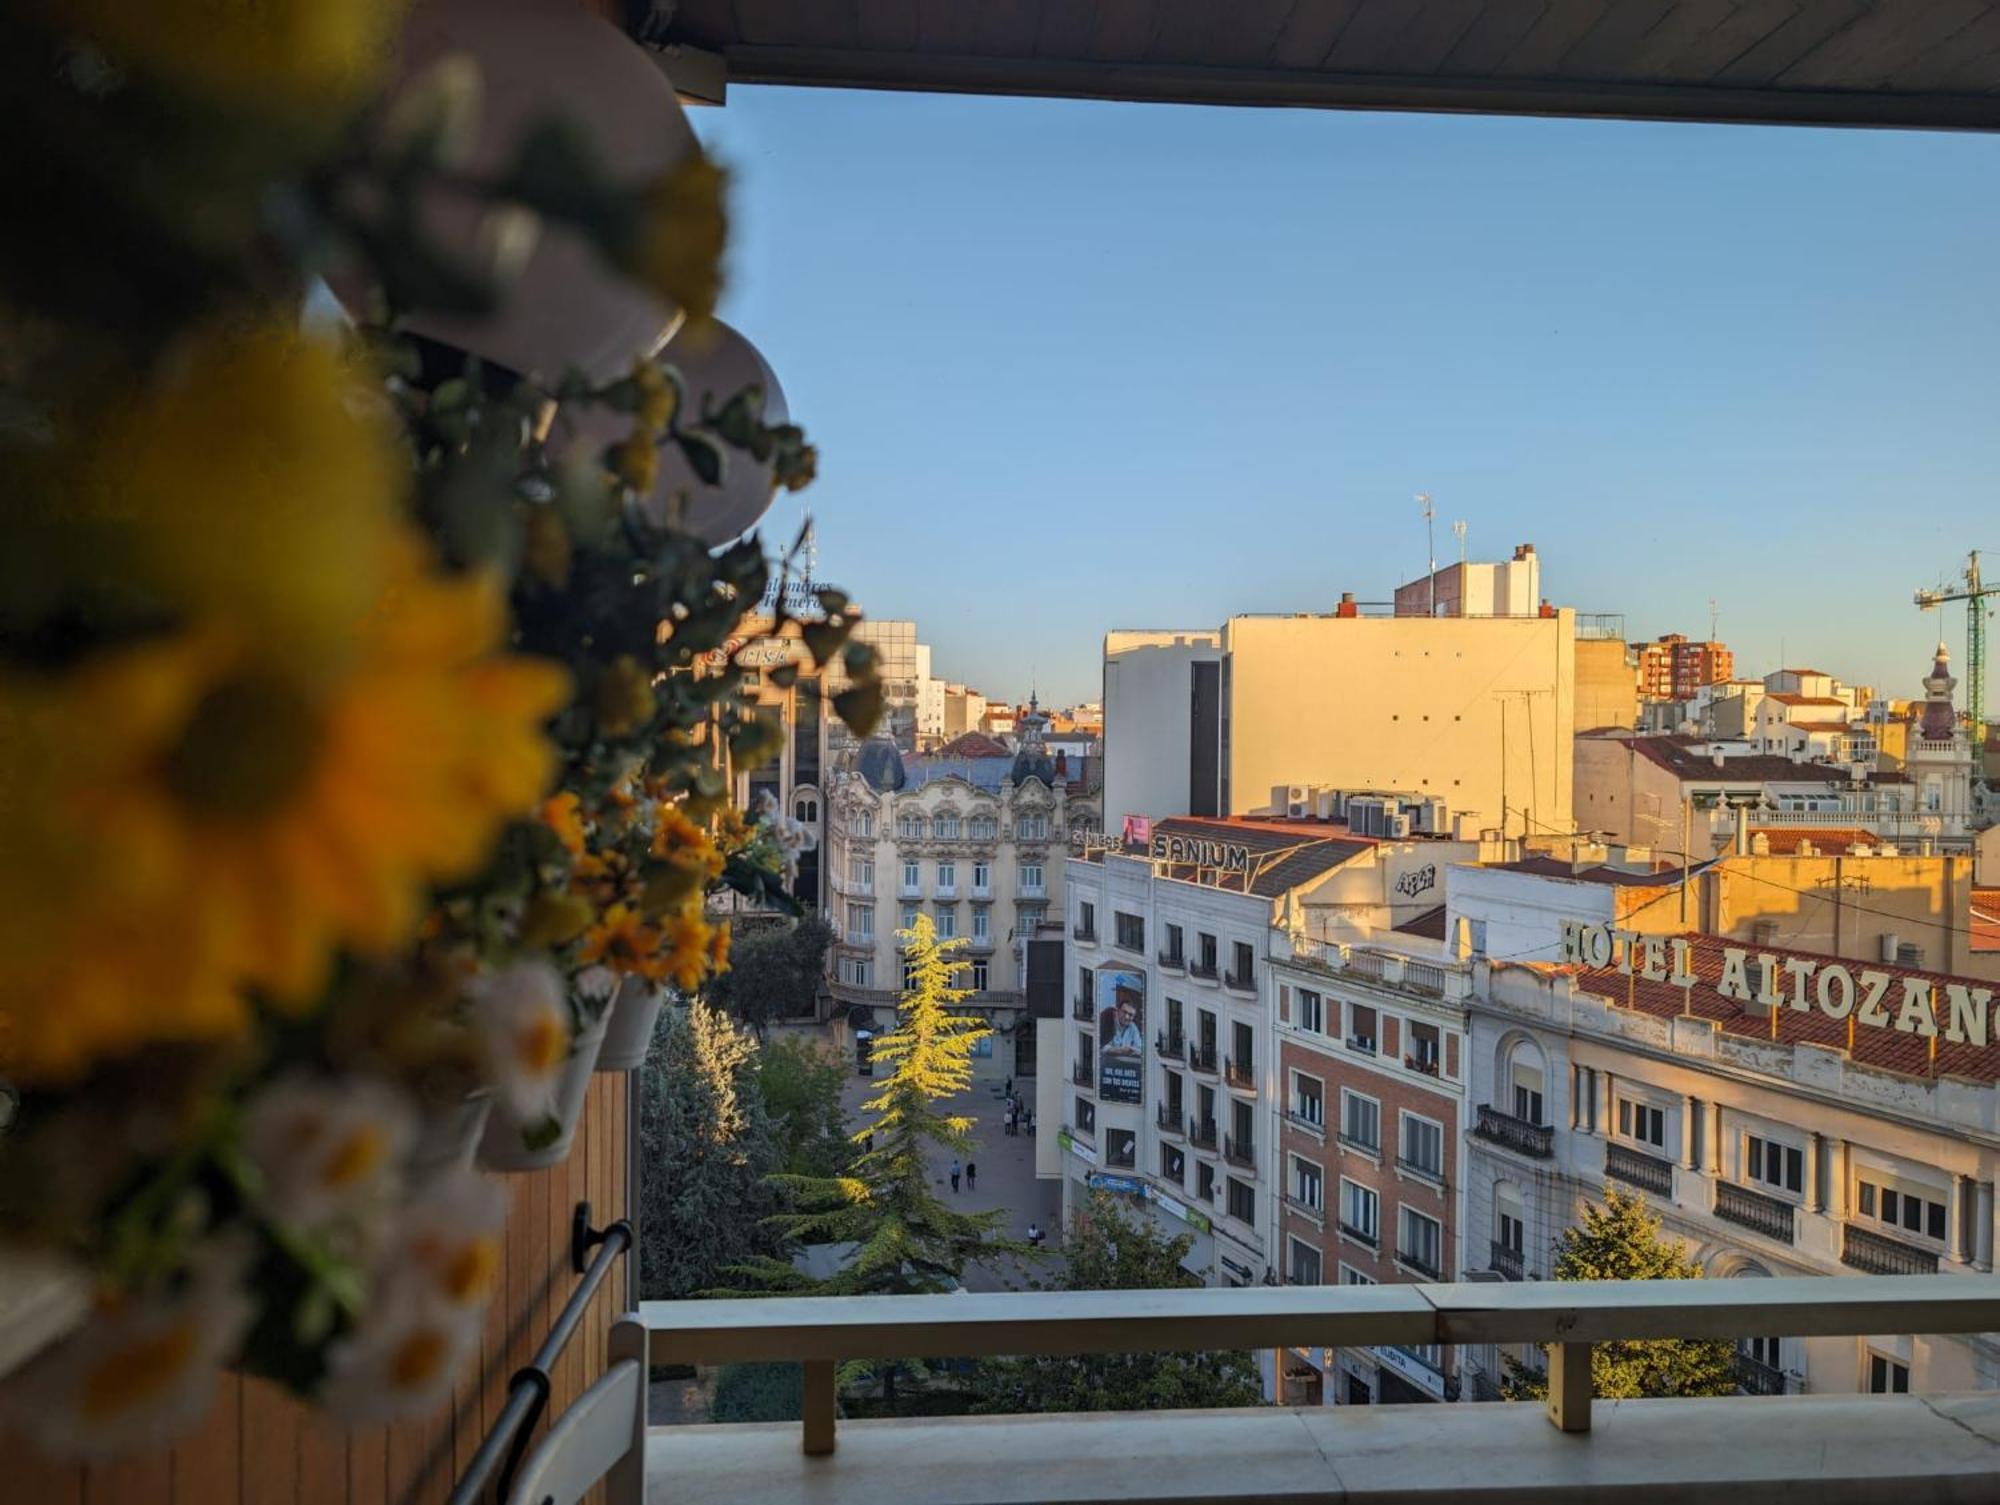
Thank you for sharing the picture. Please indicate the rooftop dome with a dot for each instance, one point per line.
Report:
(880, 762)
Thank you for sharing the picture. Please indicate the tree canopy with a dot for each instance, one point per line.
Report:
(1109, 1248)
(1621, 1241)
(704, 1195)
(904, 1237)
(801, 1081)
(774, 971)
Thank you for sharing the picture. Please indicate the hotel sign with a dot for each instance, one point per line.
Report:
(1200, 851)
(1837, 989)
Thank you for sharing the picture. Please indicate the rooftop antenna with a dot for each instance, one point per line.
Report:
(1714, 617)
(1430, 542)
(1458, 532)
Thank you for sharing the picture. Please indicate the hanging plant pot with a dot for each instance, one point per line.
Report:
(628, 1024)
(566, 307)
(507, 1145)
(450, 1135)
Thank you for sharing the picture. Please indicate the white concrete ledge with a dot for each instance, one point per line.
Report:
(1800, 1450)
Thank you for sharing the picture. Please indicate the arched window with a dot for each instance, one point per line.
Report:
(807, 810)
(1524, 1082)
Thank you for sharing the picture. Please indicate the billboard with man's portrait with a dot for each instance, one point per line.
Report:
(1121, 1035)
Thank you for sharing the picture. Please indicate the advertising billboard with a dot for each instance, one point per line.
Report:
(1121, 1035)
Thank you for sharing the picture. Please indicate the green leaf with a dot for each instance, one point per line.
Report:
(860, 708)
(703, 458)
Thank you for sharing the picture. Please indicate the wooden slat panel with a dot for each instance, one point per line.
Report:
(368, 1466)
(1242, 34)
(1604, 50)
(1124, 31)
(135, 1480)
(1872, 52)
(1560, 27)
(829, 23)
(270, 1433)
(1066, 30)
(323, 1460)
(1310, 31)
(945, 26)
(1368, 35)
(1497, 32)
(1429, 37)
(1787, 42)
(39, 1478)
(1965, 62)
(885, 25)
(1006, 28)
(1673, 47)
(206, 1465)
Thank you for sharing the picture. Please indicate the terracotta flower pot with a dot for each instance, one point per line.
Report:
(628, 1024)
(504, 1147)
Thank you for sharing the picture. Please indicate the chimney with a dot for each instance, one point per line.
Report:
(1347, 608)
(1743, 833)
(1807, 849)
(1523, 551)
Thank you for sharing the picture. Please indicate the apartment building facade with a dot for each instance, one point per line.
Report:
(1371, 1072)
(1783, 1113)
(1673, 668)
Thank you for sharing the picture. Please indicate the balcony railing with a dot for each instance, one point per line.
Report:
(1201, 1058)
(1427, 1064)
(1237, 1151)
(1311, 1123)
(1763, 1214)
(823, 1333)
(1507, 1261)
(1082, 1010)
(1636, 1168)
(1171, 1119)
(1372, 1240)
(1172, 961)
(1201, 1132)
(1169, 1047)
(1431, 1173)
(1755, 1377)
(1537, 1141)
(1239, 1074)
(1087, 934)
(1360, 1145)
(1083, 1075)
(1204, 970)
(1312, 1211)
(1242, 982)
(1877, 1254)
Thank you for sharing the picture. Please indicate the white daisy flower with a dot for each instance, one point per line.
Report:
(452, 1236)
(138, 1375)
(328, 1147)
(403, 1356)
(523, 1025)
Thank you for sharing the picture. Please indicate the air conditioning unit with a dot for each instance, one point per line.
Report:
(1431, 816)
(1327, 804)
(1890, 941)
(1399, 826)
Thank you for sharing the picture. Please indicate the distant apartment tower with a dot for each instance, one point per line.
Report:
(1673, 668)
(1477, 710)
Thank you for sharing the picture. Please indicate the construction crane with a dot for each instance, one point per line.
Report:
(1973, 593)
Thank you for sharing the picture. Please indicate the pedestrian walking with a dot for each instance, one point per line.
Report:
(954, 1175)
(971, 1175)
(1010, 1089)
(1035, 1235)
(1010, 1120)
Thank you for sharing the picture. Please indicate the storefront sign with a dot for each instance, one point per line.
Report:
(1098, 1181)
(1879, 1000)
(1076, 1146)
(1415, 1371)
(1199, 851)
(1180, 1210)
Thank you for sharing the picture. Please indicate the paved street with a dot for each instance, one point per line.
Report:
(1006, 1174)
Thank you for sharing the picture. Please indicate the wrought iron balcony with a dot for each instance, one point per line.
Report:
(1083, 1075)
(1171, 1119)
(1311, 1123)
(1201, 1132)
(1169, 1047)
(1172, 961)
(1201, 1058)
(1082, 1010)
(1204, 970)
(1864, 1249)
(1239, 1074)
(1241, 982)
(1755, 1377)
(1636, 1168)
(1241, 1151)
(1312, 1211)
(1537, 1141)
(1763, 1214)
(1360, 1145)
(1507, 1261)
(1372, 1240)
(1424, 1266)
(1086, 934)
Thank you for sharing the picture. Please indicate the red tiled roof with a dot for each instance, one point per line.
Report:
(1820, 726)
(1882, 1047)
(1986, 919)
(1678, 756)
(1829, 840)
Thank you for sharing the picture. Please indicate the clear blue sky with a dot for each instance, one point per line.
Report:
(1073, 366)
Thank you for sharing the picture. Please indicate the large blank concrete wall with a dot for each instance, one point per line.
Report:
(1146, 697)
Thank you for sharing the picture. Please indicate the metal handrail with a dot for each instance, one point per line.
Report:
(529, 1388)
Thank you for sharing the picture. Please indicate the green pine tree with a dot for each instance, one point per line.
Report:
(1110, 1249)
(801, 1081)
(1621, 1241)
(905, 1238)
(705, 1197)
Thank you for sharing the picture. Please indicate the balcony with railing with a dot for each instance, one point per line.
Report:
(1637, 1168)
(1205, 970)
(1312, 1212)
(1878, 1254)
(1768, 1215)
(1083, 1074)
(1425, 1265)
(1507, 1261)
(1834, 1448)
(1239, 1149)
(1201, 1132)
(1364, 1236)
(1201, 1058)
(1083, 935)
(1081, 1009)
(1312, 1123)
(1755, 1377)
(1369, 1147)
(1171, 1118)
(1172, 960)
(1240, 982)
(1239, 1074)
(1169, 1046)
(1536, 1141)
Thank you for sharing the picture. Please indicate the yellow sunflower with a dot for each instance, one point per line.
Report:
(214, 817)
(622, 941)
(688, 958)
